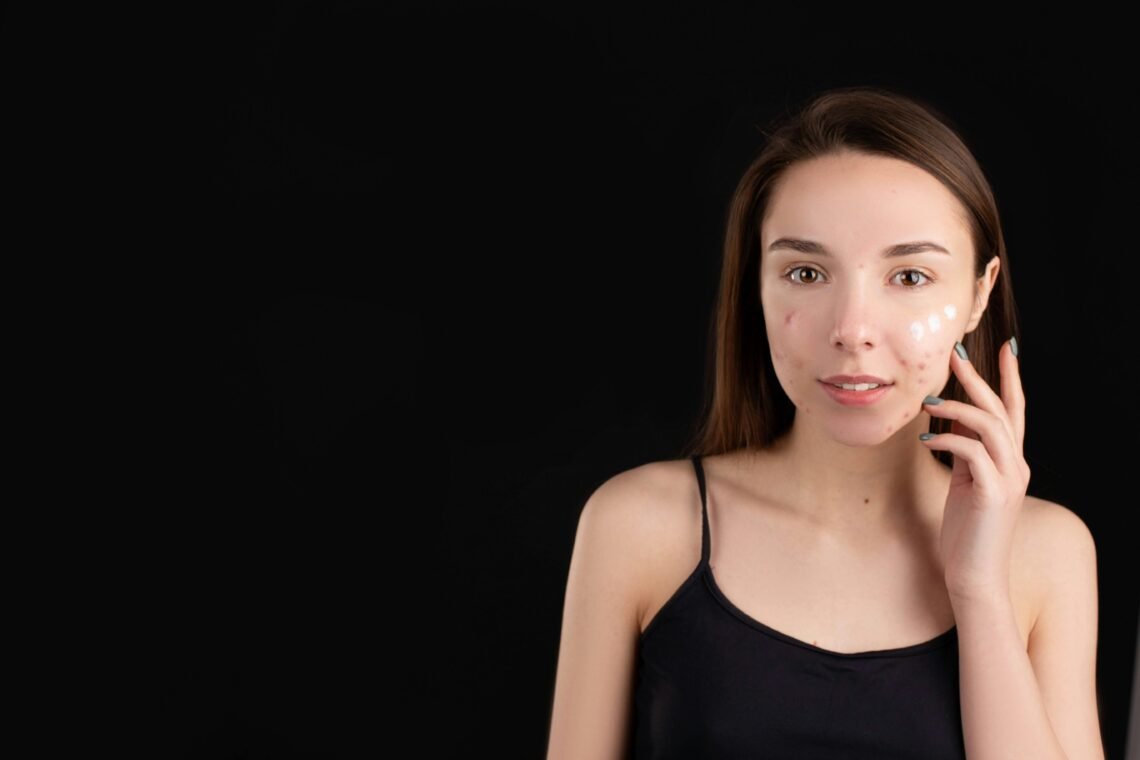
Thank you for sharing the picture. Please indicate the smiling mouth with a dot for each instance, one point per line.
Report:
(857, 386)
(860, 396)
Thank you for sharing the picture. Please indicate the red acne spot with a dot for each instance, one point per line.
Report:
(904, 362)
(890, 429)
(922, 365)
(788, 317)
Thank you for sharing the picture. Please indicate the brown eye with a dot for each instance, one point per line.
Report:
(915, 273)
(815, 273)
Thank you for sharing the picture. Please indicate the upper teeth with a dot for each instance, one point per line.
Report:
(856, 386)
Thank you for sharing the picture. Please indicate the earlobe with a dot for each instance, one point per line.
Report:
(979, 310)
(985, 289)
(981, 299)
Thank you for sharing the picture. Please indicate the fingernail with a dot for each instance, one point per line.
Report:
(1013, 345)
(932, 400)
(961, 350)
(925, 436)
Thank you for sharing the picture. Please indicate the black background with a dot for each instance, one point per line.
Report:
(414, 278)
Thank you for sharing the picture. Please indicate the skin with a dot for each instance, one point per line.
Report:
(857, 313)
(857, 476)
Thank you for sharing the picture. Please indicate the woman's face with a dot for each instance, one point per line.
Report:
(834, 304)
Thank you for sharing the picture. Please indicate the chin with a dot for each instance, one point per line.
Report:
(861, 436)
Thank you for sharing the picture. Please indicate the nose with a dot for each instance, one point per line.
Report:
(855, 318)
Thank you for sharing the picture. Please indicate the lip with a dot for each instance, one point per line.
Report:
(855, 398)
(855, 379)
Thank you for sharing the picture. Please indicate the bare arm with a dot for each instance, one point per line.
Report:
(596, 661)
(1041, 703)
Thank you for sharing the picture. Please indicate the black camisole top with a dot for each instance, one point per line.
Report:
(713, 682)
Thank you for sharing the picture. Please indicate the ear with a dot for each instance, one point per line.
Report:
(984, 287)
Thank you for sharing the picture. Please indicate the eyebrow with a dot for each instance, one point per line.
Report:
(899, 249)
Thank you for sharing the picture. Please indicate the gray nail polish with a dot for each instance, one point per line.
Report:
(1013, 345)
(961, 350)
(932, 400)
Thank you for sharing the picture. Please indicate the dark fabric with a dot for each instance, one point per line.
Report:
(713, 682)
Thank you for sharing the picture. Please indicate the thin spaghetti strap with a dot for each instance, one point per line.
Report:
(705, 551)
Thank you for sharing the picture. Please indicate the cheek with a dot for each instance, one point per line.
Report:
(931, 334)
(785, 335)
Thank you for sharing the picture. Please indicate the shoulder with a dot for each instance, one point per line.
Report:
(643, 503)
(640, 522)
(1055, 542)
(1052, 531)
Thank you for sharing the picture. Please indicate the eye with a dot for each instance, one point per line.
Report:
(806, 269)
(790, 274)
(919, 273)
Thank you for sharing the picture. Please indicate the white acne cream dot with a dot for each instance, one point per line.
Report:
(949, 311)
(916, 329)
(934, 323)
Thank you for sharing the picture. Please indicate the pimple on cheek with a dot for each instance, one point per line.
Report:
(780, 356)
(788, 317)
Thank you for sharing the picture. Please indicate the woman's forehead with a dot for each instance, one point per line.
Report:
(853, 209)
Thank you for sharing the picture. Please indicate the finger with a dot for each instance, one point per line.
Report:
(978, 390)
(991, 431)
(1012, 391)
(973, 453)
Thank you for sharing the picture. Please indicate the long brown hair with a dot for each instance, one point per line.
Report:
(745, 406)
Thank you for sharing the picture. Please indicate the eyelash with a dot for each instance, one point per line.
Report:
(929, 279)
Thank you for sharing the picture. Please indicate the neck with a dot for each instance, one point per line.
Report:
(877, 485)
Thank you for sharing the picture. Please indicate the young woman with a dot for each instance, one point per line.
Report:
(846, 563)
